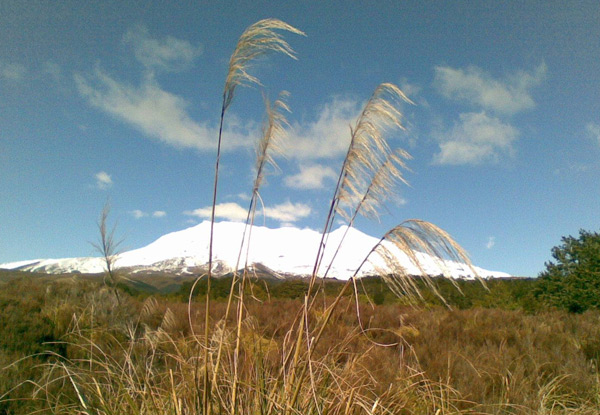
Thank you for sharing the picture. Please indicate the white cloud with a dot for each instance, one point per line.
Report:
(491, 242)
(572, 168)
(12, 72)
(311, 177)
(230, 211)
(593, 131)
(138, 214)
(411, 90)
(244, 196)
(326, 137)
(164, 116)
(158, 113)
(103, 180)
(286, 212)
(476, 87)
(477, 138)
(167, 54)
(399, 201)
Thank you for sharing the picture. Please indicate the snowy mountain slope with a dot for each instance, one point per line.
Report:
(285, 251)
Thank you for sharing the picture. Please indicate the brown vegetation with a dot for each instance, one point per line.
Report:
(144, 358)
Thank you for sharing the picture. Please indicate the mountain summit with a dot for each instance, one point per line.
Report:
(282, 252)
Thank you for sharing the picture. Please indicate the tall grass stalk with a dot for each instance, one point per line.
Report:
(368, 174)
(108, 248)
(273, 132)
(257, 40)
(369, 171)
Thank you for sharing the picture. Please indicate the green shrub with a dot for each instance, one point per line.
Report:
(572, 280)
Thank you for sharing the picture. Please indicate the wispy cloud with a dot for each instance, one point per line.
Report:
(149, 108)
(158, 113)
(12, 72)
(475, 139)
(138, 214)
(230, 211)
(287, 212)
(103, 180)
(327, 136)
(592, 129)
(413, 91)
(474, 86)
(311, 177)
(168, 54)
(410, 90)
(491, 242)
(243, 196)
(478, 137)
(162, 115)
(572, 168)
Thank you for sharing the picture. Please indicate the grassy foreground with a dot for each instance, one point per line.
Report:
(66, 347)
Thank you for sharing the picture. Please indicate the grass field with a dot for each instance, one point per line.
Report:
(67, 347)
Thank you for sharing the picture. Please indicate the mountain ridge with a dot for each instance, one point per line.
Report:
(285, 251)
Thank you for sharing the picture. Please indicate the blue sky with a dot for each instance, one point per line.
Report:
(121, 99)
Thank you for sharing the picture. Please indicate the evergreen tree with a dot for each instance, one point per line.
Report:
(572, 280)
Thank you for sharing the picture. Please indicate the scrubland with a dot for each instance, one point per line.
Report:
(67, 346)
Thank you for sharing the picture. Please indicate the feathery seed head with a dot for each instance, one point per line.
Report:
(258, 39)
(274, 131)
(371, 168)
(413, 238)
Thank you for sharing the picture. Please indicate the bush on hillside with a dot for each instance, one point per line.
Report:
(572, 280)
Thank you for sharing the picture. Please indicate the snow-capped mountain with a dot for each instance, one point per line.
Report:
(283, 251)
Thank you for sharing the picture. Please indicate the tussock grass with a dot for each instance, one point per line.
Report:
(144, 358)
